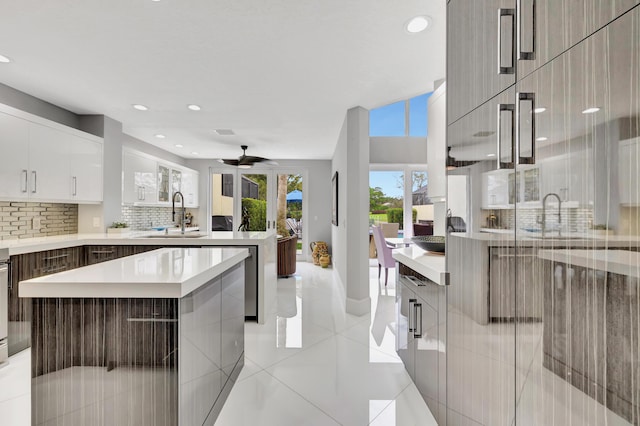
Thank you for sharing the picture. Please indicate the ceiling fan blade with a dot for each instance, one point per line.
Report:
(230, 162)
(250, 159)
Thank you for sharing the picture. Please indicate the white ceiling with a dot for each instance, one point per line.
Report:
(280, 73)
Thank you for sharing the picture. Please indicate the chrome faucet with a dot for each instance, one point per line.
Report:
(543, 222)
(173, 213)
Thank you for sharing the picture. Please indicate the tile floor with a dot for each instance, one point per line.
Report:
(310, 364)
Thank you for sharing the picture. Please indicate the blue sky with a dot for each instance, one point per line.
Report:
(387, 181)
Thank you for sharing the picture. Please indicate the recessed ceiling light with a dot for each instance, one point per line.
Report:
(160, 136)
(140, 107)
(194, 107)
(591, 110)
(491, 155)
(4, 59)
(542, 138)
(194, 153)
(417, 24)
(539, 110)
(179, 146)
(224, 132)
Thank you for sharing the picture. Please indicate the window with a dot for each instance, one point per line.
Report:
(404, 118)
(227, 185)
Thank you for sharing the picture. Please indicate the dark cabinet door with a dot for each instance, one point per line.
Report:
(99, 254)
(481, 58)
(546, 28)
(27, 266)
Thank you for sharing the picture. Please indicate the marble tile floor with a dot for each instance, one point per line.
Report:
(310, 364)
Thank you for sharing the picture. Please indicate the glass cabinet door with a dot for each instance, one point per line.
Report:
(163, 184)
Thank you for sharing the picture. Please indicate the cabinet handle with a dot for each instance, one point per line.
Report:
(34, 175)
(417, 307)
(510, 108)
(411, 312)
(144, 193)
(25, 177)
(527, 54)
(102, 252)
(510, 69)
(75, 185)
(526, 98)
(60, 256)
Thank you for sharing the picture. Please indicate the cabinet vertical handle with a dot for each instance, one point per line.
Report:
(510, 68)
(74, 180)
(411, 314)
(417, 307)
(24, 185)
(34, 175)
(527, 54)
(511, 109)
(529, 114)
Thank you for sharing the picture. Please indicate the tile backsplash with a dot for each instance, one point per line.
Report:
(572, 219)
(16, 219)
(145, 217)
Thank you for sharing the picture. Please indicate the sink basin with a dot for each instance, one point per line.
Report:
(186, 235)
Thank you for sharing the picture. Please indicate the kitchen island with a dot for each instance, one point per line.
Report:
(483, 283)
(151, 339)
(35, 257)
(591, 320)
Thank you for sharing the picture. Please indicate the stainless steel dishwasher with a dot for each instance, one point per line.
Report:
(4, 306)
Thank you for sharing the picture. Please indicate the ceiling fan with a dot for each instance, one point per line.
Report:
(246, 161)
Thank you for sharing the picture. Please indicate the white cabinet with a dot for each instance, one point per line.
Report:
(14, 161)
(49, 177)
(48, 162)
(628, 171)
(190, 187)
(437, 144)
(495, 189)
(147, 180)
(86, 169)
(140, 180)
(570, 176)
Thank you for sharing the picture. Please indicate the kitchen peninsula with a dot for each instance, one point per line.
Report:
(151, 339)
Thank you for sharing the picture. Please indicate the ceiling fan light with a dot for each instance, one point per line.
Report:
(245, 166)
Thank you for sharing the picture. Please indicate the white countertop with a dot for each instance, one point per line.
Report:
(621, 262)
(229, 238)
(431, 265)
(162, 273)
(574, 240)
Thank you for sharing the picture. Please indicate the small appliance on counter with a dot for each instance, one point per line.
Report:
(4, 307)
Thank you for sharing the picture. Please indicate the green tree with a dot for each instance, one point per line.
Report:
(294, 182)
(376, 198)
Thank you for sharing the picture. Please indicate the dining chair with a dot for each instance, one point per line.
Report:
(385, 258)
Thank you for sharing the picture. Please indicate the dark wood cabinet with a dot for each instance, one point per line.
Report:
(27, 266)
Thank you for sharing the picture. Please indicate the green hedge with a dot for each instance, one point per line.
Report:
(395, 215)
(257, 213)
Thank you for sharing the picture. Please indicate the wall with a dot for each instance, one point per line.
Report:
(397, 150)
(221, 205)
(16, 219)
(22, 101)
(350, 238)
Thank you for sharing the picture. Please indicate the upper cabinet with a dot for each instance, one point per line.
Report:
(45, 161)
(148, 180)
(437, 144)
(481, 59)
(546, 28)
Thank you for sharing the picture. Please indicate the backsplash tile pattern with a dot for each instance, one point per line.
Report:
(572, 219)
(16, 219)
(145, 217)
